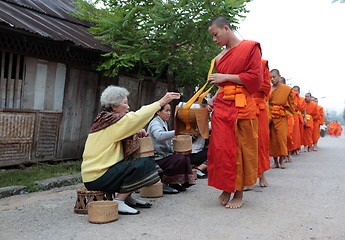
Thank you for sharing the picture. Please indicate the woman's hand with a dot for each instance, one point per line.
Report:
(168, 97)
(142, 133)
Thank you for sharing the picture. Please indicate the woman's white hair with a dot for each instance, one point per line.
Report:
(113, 95)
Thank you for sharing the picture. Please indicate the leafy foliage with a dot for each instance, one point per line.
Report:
(161, 38)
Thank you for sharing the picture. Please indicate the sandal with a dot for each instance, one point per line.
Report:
(140, 205)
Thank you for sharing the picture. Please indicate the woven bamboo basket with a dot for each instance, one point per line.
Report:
(182, 144)
(146, 147)
(153, 191)
(102, 211)
(85, 196)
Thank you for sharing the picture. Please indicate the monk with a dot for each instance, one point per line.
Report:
(298, 115)
(311, 114)
(317, 124)
(261, 98)
(290, 124)
(302, 117)
(280, 101)
(233, 147)
(334, 129)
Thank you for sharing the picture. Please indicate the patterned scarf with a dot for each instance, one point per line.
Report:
(105, 119)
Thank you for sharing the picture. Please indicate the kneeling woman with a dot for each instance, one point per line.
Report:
(177, 170)
(109, 162)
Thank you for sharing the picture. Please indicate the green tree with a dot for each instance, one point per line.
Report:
(159, 38)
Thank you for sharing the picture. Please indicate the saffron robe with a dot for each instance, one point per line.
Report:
(243, 60)
(290, 125)
(334, 129)
(301, 117)
(296, 138)
(261, 98)
(312, 113)
(316, 127)
(280, 98)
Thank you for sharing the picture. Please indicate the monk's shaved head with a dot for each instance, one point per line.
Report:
(296, 89)
(275, 71)
(220, 22)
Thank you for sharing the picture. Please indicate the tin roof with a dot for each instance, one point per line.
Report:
(50, 19)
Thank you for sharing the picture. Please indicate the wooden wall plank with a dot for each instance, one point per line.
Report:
(67, 145)
(29, 83)
(40, 84)
(50, 85)
(59, 87)
(2, 82)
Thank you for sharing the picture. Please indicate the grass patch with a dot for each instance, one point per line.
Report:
(28, 175)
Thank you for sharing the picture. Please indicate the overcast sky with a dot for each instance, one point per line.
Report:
(305, 41)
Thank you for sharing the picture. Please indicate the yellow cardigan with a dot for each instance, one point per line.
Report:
(103, 149)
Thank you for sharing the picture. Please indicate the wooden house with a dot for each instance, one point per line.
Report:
(49, 90)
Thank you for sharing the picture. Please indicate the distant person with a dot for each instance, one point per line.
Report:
(290, 127)
(311, 115)
(280, 101)
(298, 115)
(302, 116)
(319, 121)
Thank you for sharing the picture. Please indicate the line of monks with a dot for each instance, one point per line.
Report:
(334, 129)
(287, 121)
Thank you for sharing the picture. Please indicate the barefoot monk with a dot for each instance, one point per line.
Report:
(233, 149)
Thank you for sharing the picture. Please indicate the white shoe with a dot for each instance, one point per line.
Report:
(124, 209)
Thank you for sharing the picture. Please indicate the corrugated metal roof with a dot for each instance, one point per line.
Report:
(50, 19)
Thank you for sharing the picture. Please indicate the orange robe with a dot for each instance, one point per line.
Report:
(302, 106)
(261, 98)
(312, 113)
(290, 124)
(230, 168)
(280, 101)
(334, 129)
(320, 121)
(296, 133)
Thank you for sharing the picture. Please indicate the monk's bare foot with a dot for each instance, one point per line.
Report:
(282, 165)
(281, 162)
(247, 188)
(224, 197)
(275, 165)
(263, 181)
(290, 158)
(237, 200)
(309, 149)
(305, 149)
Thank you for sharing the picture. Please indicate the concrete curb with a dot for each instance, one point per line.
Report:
(45, 184)
(12, 190)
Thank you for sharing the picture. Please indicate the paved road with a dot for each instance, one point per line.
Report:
(304, 201)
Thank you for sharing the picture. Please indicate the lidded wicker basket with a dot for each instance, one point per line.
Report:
(146, 147)
(153, 191)
(102, 211)
(182, 144)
